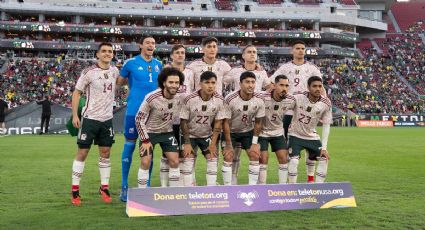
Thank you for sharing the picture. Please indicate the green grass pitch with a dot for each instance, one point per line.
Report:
(385, 166)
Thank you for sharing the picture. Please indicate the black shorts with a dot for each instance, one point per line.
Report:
(277, 143)
(2, 118)
(202, 143)
(102, 133)
(244, 138)
(296, 145)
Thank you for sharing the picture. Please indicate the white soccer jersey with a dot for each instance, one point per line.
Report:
(220, 68)
(156, 114)
(99, 87)
(307, 115)
(233, 78)
(275, 110)
(298, 75)
(185, 89)
(201, 114)
(241, 113)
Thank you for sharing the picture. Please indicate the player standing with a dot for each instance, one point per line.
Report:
(242, 107)
(98, 83)
(298, 72)
(277, 102)
(141, 73)
(154, 122)
(201, 123)
(311, 107)
(231, 80)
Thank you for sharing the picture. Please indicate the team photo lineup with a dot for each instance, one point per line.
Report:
(215, 114)
(205, 105)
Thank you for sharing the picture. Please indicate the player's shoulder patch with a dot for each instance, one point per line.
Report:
(151, 96)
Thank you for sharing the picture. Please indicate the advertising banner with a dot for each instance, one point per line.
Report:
(366, 123)
(242, 198)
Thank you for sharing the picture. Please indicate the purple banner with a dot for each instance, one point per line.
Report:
(242, 198)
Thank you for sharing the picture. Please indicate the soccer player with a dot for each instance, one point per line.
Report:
(231, 80)
(209, 62)
(311, 107)
(242, 107)
(141, 73)
(98, 83)
(154, 122)
(277, 102)
(178, 56)
(298, 72)
(201, 123)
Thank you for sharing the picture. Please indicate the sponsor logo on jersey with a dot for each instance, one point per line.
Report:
(249, 197)
(131, 130)
(140, 68)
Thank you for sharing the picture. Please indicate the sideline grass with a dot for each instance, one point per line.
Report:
(385, 167)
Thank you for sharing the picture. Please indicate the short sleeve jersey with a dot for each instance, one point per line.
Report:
(219, 67)
(307, 115)
(99, 86)
(201, 114)
(242, 113)
(275, 110)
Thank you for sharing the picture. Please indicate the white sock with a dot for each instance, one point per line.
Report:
(142, 178)
(309, 165)
(164, 168)
(226, 171)
(212, 172)
(262, 176)
(283, 173)
(187, 172)
(173, 177)
(77, 171)
(293, 169)
(105, 170)
(253, 171)
(236, 164)
(181, 167)
(322, 170)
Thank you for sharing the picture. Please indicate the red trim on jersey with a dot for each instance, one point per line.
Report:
(190, 96)
(153, 96)
(232, 96)
(87, 103)
(86, 70)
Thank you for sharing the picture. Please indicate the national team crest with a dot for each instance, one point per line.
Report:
(204, 108)
(156, 68)
(210, 68)
(297, 71)
(245, 108)
(105, 75)
(276, 107)
(150, 69)
(308, 109)
(170, 105)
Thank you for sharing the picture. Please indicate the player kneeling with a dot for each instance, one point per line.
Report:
(201, 121)
(154, 122)
(277, 102)
(310, 108)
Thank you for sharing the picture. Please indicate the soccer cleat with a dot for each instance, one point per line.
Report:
(123, 194)
(75, 198)
(106, 196)
(310, 179)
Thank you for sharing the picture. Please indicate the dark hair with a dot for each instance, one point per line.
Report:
(103, 44)
(169, 71)
(246, 47)
(208, 40)
(176, 47)
(207, 75)
(312, 79)
(297, 42)
(143, 38)
(247, 74)
(280, 77)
